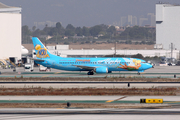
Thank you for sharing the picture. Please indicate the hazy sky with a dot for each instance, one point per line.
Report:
(82, 12)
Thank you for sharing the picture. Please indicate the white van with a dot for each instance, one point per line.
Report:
(42, 68)
(28, 67)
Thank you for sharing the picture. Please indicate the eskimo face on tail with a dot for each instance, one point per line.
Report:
(132, 66)
(41, 52)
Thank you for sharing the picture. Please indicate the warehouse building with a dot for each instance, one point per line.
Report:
(10, 32)
(168, 25)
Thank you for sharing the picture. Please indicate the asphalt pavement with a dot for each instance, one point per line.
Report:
(158, 71)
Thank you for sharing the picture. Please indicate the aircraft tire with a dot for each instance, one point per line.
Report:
(138, 73)
(90, 73)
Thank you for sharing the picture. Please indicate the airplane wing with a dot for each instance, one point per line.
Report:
(85, 67)
(39, 60)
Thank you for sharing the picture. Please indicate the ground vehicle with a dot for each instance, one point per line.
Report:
(42, 68)
(28, 67)
(171, 64)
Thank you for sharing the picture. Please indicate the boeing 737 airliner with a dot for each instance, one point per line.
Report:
(92, 65)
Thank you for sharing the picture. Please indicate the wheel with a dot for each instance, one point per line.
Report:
(90, 73)
(138, 73)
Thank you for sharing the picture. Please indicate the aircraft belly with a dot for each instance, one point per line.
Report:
(70, 68)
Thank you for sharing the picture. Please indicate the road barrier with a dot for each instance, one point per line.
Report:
(151, 100)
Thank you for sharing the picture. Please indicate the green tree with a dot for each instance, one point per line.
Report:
(70, 27)
(26, 30)
(60, 28)
(37, 33)
(78, 31)
(94, 31)
(34, 28)
(111, 30)
(70, 30)
(69, 33)
(53, 31)
(135, 32)
(58, 25)
(85, 31)
(26, 33)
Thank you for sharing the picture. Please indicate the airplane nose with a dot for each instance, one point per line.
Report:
(147, 66)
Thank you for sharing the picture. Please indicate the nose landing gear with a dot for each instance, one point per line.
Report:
(90, 73)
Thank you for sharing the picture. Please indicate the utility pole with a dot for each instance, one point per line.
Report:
(115, 49)
(171, 51)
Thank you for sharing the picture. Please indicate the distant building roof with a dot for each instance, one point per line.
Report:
(9, 9)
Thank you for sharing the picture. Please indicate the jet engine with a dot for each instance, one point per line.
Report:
(101, 70)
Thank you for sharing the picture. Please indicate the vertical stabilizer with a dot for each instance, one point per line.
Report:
(40, 49)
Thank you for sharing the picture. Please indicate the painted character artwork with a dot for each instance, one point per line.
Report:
(132, 66)
(42, 52)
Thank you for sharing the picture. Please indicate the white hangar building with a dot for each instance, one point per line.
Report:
(66, 52)
(168, 25)
(10, 32)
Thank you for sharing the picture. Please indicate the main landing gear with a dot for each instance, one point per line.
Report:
(90, 73)
(138, 73)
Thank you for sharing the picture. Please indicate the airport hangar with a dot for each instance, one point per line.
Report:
(168, 25)
(10, 32)
(64, 51)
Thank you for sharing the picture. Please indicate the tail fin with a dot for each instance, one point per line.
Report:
(40, 49)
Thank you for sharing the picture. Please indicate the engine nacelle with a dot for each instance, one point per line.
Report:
(101, 70)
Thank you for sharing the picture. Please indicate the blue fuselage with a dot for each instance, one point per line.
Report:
(112, 64)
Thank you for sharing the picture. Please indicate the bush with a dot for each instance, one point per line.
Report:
(66, 43)
(87, 42)
(93, 41)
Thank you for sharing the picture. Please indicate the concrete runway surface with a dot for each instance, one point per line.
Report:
(86, 114)
(128, 98)
(132, 100)
(87, 117)
(158, 71)
(139, 85)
